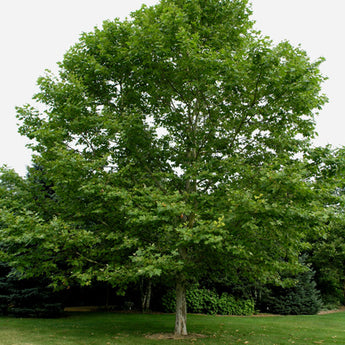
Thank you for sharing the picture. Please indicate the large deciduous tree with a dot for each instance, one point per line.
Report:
(170, 142)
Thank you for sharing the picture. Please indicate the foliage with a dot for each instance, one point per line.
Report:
(327, 251)
(167, 145)
(201, 300)
(4, 295)
(228, 305)
(327, 256)
(27, 298)
(301, 299)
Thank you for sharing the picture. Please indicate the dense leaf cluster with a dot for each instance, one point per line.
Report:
(201, 300)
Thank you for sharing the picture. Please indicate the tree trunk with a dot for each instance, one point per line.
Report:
(146, 291)
(107, 297)
(181, 309)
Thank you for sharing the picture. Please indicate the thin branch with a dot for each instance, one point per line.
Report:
(87, 259)
(245, 117)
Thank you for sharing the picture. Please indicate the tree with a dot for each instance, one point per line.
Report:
(27, 298)
(20, 296)
(327, 250)
(170, 142)
(301, 299)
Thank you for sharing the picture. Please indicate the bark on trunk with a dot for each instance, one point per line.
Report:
(181, 310)
(146, 291)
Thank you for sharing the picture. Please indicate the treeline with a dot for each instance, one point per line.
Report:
(318, 282)
(26, 290)
(22, 297)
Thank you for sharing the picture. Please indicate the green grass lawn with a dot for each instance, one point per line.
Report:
(113, 329)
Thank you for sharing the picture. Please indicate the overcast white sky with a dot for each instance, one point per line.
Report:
(35, 34)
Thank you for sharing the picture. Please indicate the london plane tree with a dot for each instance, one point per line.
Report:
(172, 144)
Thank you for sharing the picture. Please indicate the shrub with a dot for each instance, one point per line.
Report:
(209, 302)
(202, 301)
(229, 305)
(169, 301)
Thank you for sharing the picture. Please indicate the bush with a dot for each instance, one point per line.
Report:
(209, 302)
(169, 301)
(229, 305)
(202, 301)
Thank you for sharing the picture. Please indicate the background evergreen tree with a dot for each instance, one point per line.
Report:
(301, 299)
(27, 297)
(4, 289)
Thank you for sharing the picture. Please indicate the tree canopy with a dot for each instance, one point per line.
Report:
(169, 145)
